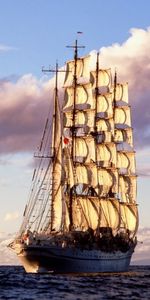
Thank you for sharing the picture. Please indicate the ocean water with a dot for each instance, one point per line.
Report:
(18, 285)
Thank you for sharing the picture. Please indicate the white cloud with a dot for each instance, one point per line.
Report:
(7, 256)
(142, 250)
(23, 109)
(4, 48)
(11, 216)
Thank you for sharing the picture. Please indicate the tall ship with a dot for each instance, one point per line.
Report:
(82, 214)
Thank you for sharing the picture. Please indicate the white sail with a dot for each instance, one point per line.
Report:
(82, 70)
(122, 162)
(84, 149)
(81, 150)
(131, 157)
(123, 189)
(105, 125)
(129, 216)
(98, 158)
(104, 137)
(124, 135)
(84, 194)
(68, 167)
(85, 213)
(56, 207)
(108, 181)
(85, 119)
(104, 78)
(68, 98)
(94, 213)
(82, 175)
(57, 192)
(104, 106)
(121, 92)
(66, 217)
(83, 97)
(122, 116)
(127, 188)
(132, 189)
(105, 180)
(68, 121)
(106, 154)
(110, 214)
(94, 176)
(70, 71)
(86, 67)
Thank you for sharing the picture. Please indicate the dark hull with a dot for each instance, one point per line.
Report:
(72, 260)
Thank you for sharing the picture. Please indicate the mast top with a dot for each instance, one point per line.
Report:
(115, 78)
(76, 47)
(54, 70)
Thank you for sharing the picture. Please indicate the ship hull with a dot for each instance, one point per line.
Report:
(37, 259)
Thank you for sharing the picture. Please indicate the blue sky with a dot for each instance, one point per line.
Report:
(35, 33)
(39, 30)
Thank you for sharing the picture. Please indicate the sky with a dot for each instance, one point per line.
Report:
(35, 34)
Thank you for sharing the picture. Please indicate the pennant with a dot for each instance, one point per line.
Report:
(66, 141)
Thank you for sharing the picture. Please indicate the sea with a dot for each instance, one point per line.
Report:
(15, 284)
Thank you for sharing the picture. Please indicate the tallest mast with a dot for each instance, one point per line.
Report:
(75, 47)
(73, 148)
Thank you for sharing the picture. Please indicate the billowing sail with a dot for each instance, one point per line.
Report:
(97, 119)
(68, 168)
(57, 191)
(83, 98)
(123, 136)
(105, 125)
(96, 213)
(56, 206)
(129, 217)
(104, 79)
(127, 188)
(84, 150)
(92, 173)
(122, 117)
(104, 106)
(110, 214)
(106, 154)
(121, 93)
(82, 70)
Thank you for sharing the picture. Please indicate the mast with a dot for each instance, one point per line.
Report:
(114, 105)
(95, 128)
(96, 93)
(75, 47)
(73, 148)
(56, 200)
(56, 70)
(93, 113)
(123, 137)
(92, 180)
(115, 86)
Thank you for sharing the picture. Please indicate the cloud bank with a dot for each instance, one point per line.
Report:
(24, 103)
(23, 108)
